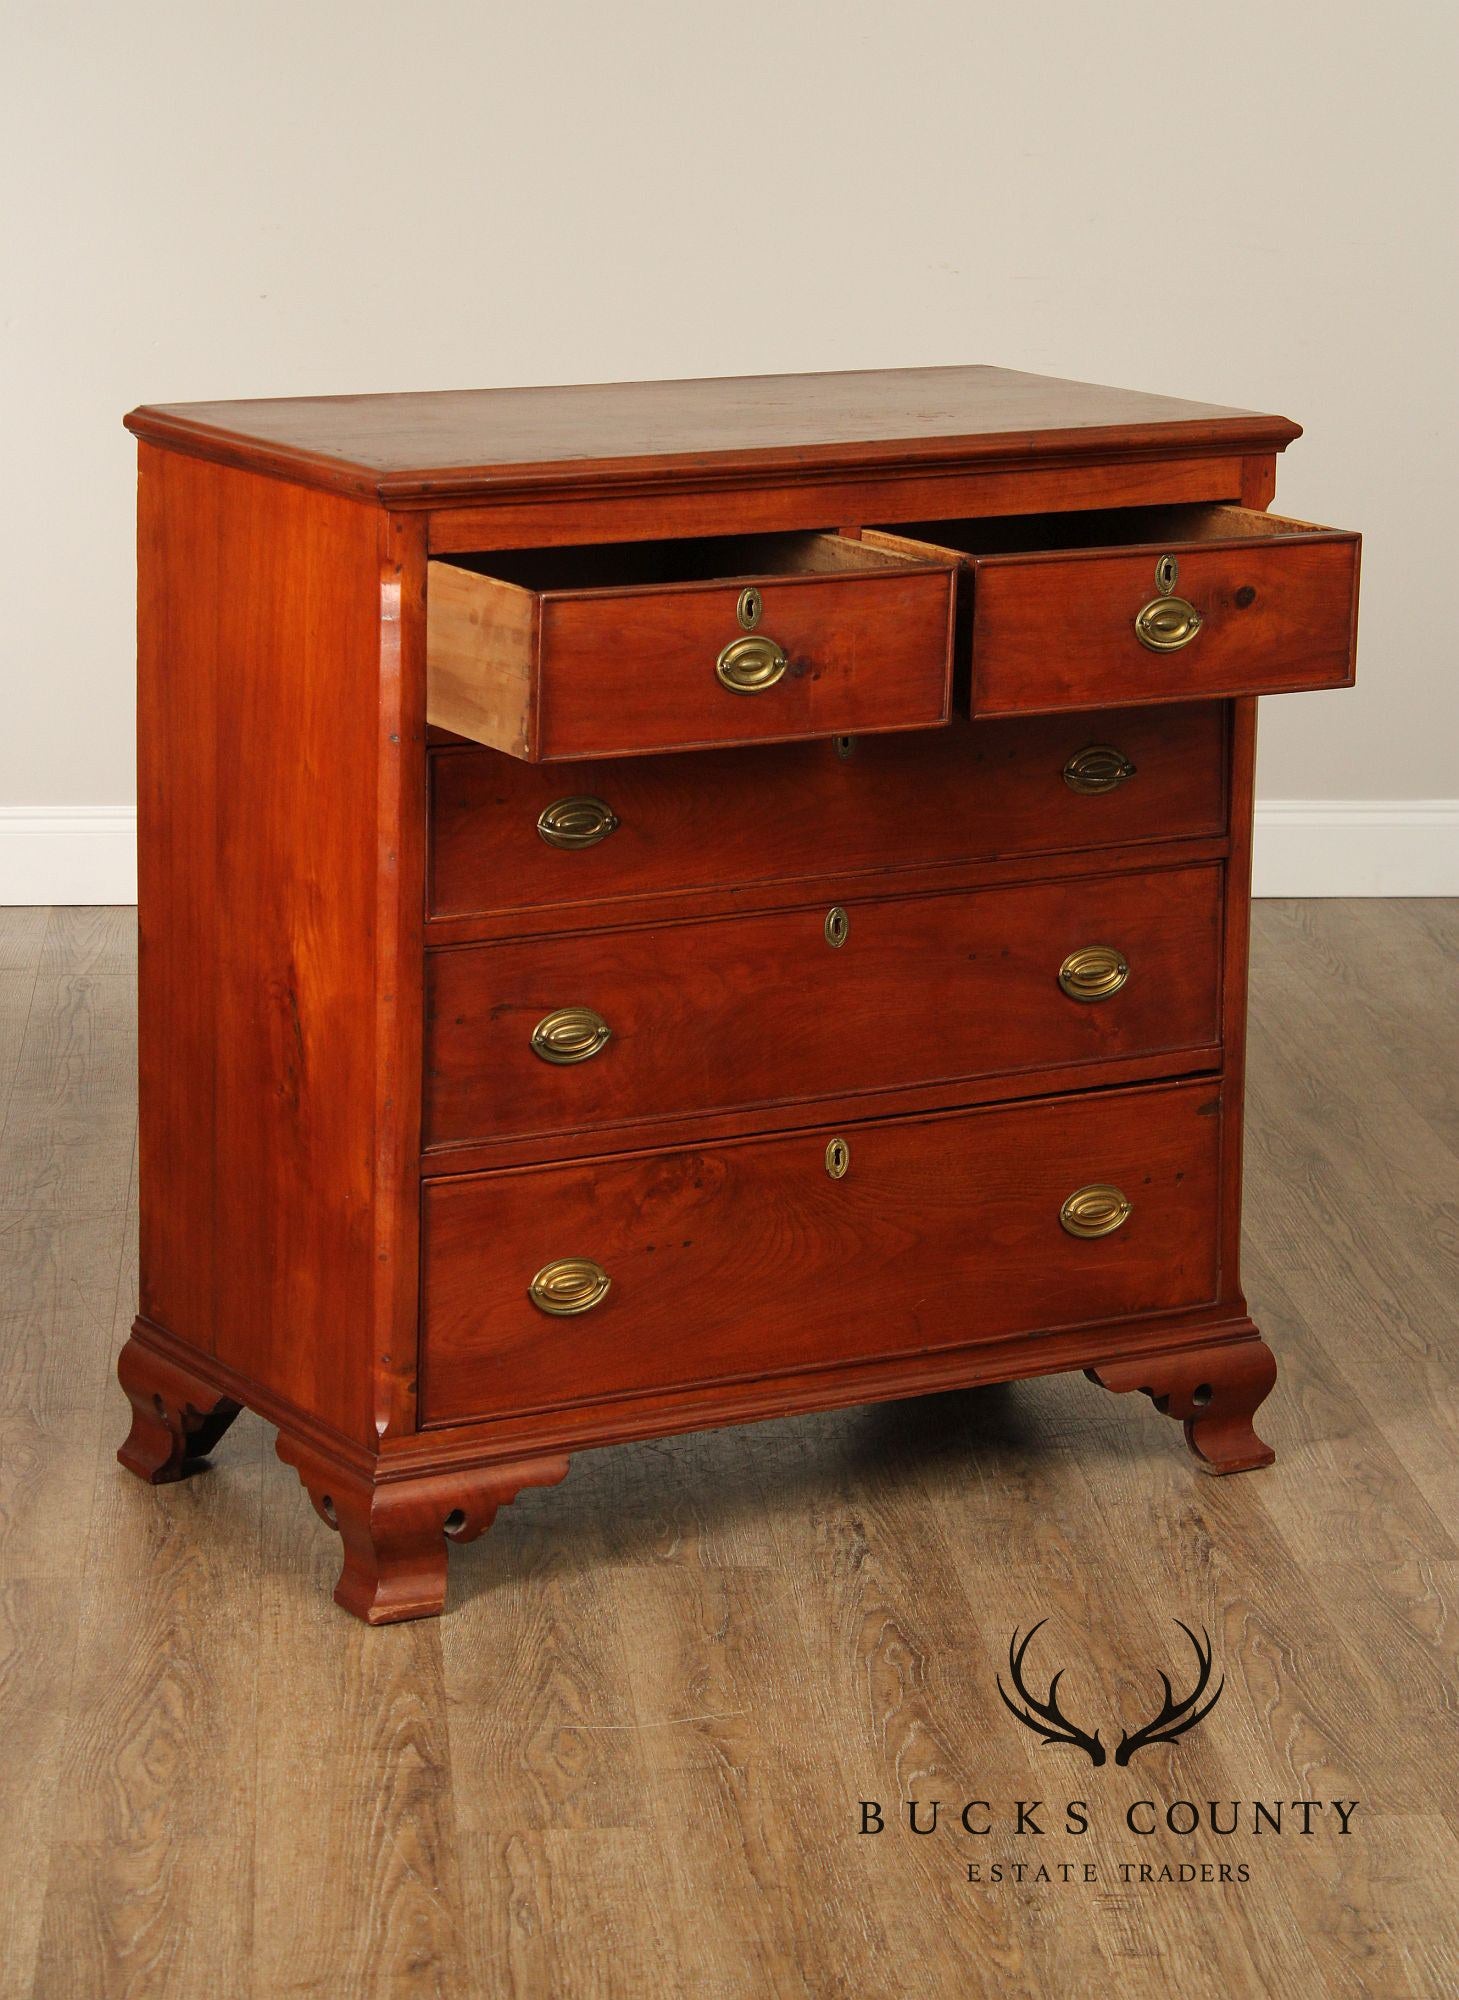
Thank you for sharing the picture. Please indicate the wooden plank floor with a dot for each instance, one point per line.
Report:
(629, 1759)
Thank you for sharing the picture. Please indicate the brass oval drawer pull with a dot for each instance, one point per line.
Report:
(580, 822)
(1166, 624)
(1099, 767)
(1094, 972)
(1096, 1210)
(569, 1285)
(570, 1035)
(750, 665)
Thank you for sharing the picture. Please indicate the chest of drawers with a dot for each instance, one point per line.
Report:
(669, 904)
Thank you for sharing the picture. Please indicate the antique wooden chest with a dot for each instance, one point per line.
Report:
(682, 902)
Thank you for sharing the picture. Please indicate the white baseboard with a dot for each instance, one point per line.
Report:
(1304, 847)
(1356, 847)
(67, 854)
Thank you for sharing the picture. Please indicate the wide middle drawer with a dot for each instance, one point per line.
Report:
(564, 1034)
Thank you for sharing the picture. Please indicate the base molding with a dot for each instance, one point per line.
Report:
(1214, 1392)
(398, 1509)
(396, 1533)
(177, 1415)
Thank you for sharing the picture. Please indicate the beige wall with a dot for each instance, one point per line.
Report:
(1249, 203)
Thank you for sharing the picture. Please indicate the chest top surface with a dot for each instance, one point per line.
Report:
(449, 445)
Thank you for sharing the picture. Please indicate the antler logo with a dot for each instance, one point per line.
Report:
(1048, 1721)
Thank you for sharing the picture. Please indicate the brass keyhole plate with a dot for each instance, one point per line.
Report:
(838, 1159)
(837, 927)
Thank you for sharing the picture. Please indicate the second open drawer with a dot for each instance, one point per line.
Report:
(1146, 604)
(612, 651)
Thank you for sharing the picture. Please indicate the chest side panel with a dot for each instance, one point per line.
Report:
(260, 643)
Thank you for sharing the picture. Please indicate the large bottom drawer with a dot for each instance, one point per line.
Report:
(766, 1255)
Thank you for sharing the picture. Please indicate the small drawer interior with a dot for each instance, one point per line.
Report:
(653, 565)
(1106, 528)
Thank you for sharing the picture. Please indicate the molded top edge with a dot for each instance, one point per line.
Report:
(450, 445)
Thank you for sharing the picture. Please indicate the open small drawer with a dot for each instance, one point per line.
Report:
(1146, 604)
(615, 650)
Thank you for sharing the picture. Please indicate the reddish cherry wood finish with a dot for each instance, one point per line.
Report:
(750, 1259)
(1213, 1391)
(277, 784)
(1279, 610)
(612, 672)
(866, 653)
(425, 449)
(396, 1533)
(756, 1010)
(755, 818)
(177, 1417)
(288, 863)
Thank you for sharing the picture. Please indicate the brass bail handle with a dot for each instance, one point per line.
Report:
(570, 1035)
(755, 662)
(1096, 1210)
(569, 1286)
(1167, 622)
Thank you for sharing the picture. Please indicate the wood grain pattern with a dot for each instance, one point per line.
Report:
(1214, 1392)
(544, 1792)
(781, 815)
(757, 1010)
(750, 1259)
(1278, 602)
(615, 672)
(249, 968)
(481, 657)
(452, 444)
(1087, 476)
(394, 1534)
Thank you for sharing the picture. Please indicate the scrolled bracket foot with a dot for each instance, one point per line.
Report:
(176, 1417)
(1213, 1390)
(397, 1532)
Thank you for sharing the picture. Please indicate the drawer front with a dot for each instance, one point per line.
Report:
(606, 672)
(1275, 617)
(864, 653)
(506, 836)
(756, 1258)
(1251, 605)
(591, 1031)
